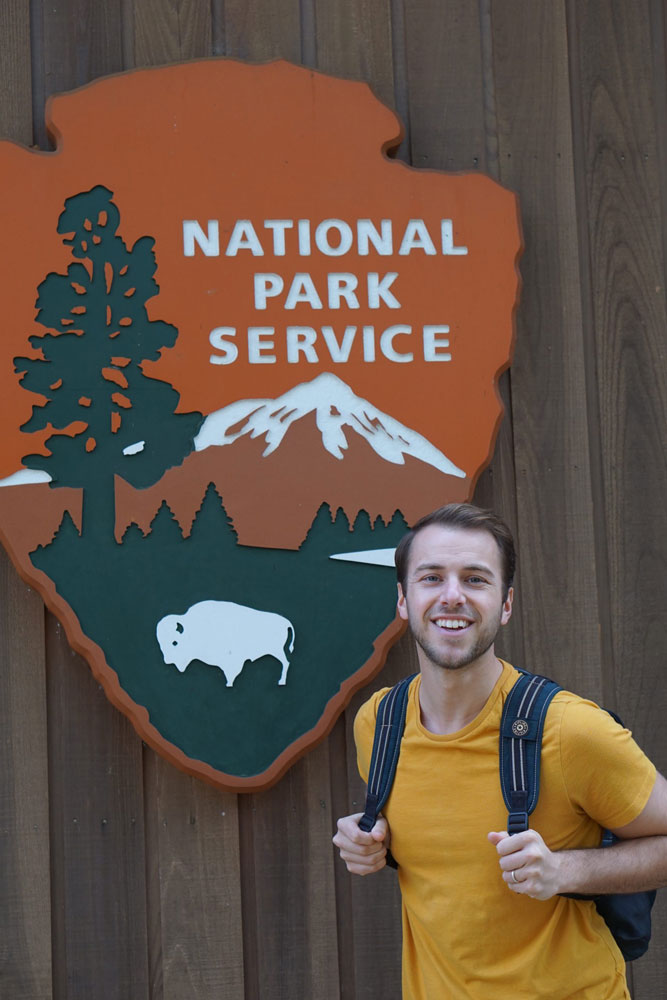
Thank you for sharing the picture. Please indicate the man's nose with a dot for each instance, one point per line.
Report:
(451, 592)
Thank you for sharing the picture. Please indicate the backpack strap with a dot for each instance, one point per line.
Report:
(389, 727)
(521, 730)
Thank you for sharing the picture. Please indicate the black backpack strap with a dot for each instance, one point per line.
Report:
(521, 730)
(389, 727)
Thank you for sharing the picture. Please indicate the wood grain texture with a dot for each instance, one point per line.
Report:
(259, 30)
(628, 308)
(650, 973)
(16, 105)
(164, 31)
(557, 601)
(622, 183)
(353, 39)
(25, 916)
(291, 875)
(444, 78)
(192, 836)
(97, 835)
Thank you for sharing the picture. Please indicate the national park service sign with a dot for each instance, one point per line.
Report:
(241, 349)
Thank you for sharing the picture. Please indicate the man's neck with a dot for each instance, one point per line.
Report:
(449, 700)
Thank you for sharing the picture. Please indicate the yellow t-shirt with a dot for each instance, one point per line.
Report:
(466, 936)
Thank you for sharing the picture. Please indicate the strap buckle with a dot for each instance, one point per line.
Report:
(517, 822)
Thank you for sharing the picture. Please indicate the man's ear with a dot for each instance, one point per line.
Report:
(401, 605)
(507, 607)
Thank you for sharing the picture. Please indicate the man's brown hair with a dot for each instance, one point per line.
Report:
(461, 515)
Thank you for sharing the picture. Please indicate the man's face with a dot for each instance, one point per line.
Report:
(454, 599)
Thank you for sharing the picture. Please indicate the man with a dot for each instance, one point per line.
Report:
(482, 914)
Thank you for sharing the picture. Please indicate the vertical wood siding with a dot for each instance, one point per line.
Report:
(123, 879)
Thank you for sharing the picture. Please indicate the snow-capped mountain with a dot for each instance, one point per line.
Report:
(337, 411)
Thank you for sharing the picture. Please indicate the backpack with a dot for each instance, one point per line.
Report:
(628, 915)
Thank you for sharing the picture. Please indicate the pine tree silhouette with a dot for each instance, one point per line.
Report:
(212, 524)
(362, 524)
(398, 523)
(164, 526)
(317, 537)
(341, 523)
(133, 534)
(109, 418)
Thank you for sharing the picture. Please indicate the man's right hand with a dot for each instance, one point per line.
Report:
(363, 853)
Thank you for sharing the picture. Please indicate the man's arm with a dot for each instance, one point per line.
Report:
(640, 862)
(363, 853)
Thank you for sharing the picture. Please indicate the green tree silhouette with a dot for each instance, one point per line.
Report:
(164, 526)
(108, 418)
(212, 524)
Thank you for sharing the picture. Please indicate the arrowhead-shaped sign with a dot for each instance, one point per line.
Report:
(242, 348)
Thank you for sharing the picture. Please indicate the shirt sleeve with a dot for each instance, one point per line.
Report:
(606, 774)
(364, 731)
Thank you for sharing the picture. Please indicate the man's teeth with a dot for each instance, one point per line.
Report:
(451, 623)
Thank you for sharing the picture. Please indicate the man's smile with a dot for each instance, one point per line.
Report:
(451, 624)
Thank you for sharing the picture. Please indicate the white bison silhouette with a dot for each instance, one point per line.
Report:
(225, 635)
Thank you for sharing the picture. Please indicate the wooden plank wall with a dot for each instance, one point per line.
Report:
(123, 879)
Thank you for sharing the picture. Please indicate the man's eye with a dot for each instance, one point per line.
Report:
(476, 579)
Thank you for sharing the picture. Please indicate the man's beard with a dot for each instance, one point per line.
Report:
(456, 659)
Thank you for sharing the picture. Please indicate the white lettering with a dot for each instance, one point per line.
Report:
(416, 237)
(387, 344)
(434, 345)
(300, 344)
(447, 232)
(341, 286)
(267, 286)
(300, 340)
(259, 345)
(368, 334)
(304, 237)
(244, 237)
(339, 352)
(367, 233)
(379, 290)
(303, 290)
(333, 238)
(322, 237)
(208, 241)
(216, 339)
(278, 226)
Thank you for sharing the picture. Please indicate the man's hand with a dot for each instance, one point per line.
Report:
(363, 853)
(527, 865)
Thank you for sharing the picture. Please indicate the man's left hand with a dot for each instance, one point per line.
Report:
(527, 865)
